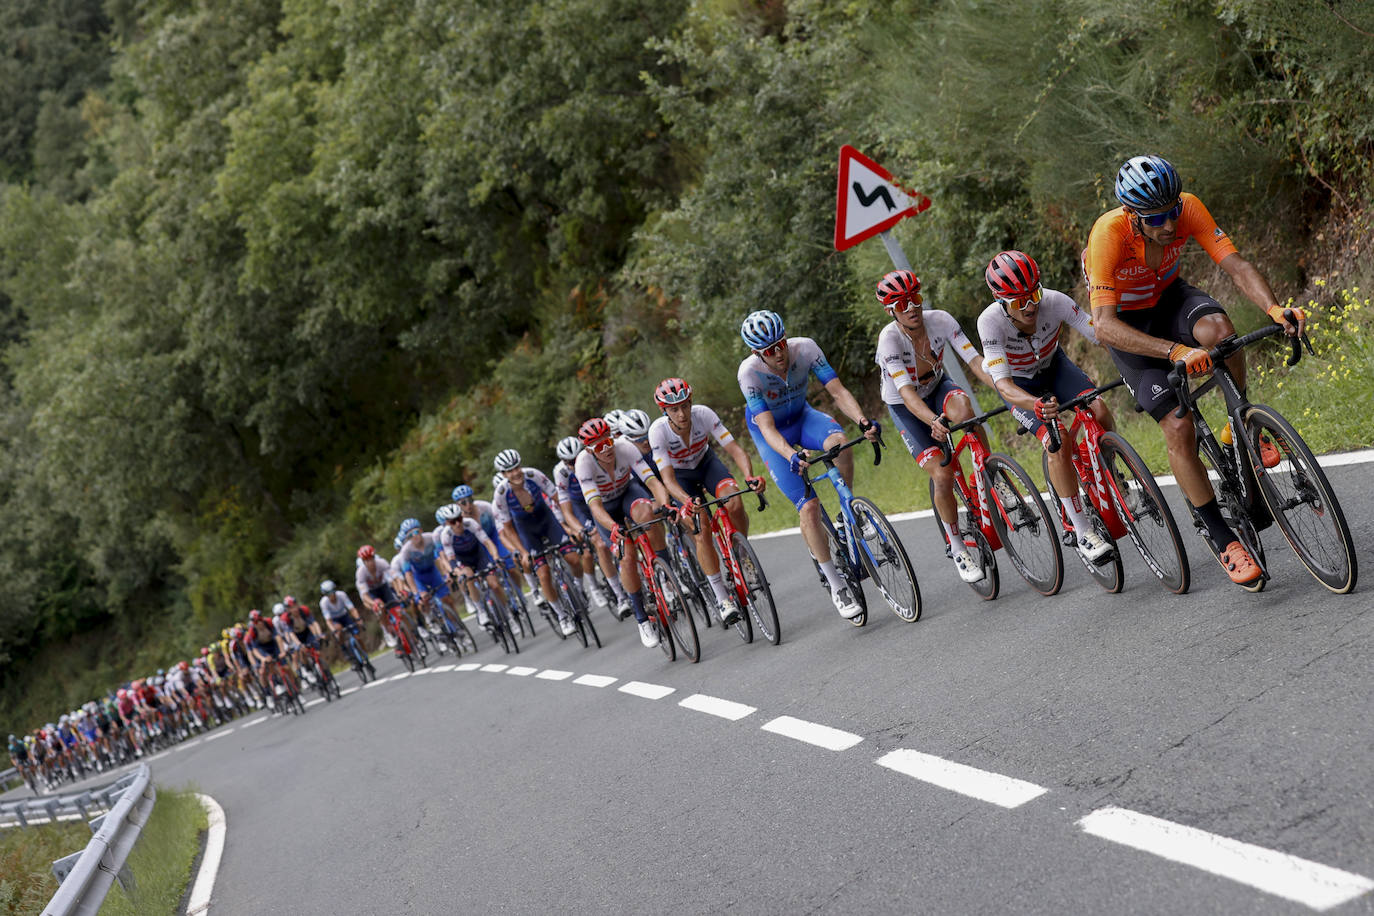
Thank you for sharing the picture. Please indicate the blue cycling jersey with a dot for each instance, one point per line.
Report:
(784, 397)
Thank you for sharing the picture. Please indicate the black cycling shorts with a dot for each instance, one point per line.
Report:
(1180, 307)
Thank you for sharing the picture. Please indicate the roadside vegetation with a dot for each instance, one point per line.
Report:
(277, 273)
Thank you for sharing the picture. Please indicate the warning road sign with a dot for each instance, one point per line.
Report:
(867, 201)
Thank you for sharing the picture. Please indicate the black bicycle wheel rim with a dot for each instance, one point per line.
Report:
(1032, 537)
(1146, 514)
(1303, 503)
(681, 626)
(760, 604)
(888, 564)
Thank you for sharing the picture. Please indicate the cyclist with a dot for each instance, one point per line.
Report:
(340, 614)
(577, 521)
(469, 551)
(634, 424)
(773, 379)
(19, 755)
(620, 488)
(421, 560)
(1149, 319)
(482, 512)
(264, 646)
(1032, 373)
(689, 468)
(525, 503)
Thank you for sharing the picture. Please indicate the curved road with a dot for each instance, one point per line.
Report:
(1064, 751)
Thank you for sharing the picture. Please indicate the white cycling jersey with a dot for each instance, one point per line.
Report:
(336, 606)
(367, 580)
(671, 450)
(1009, 352)
(472, 534)
(599, 483)
(505, 494)
(903, 367)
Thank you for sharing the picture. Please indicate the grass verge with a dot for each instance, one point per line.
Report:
(160, 862)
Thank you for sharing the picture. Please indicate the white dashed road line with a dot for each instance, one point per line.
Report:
(467, 666)
(375, 683)
(1309, 883)
(398, 677)
(522, 671)
(253, 722)
(344, 693)
(494, 669)
(315, 702)
(647, 691)
(217, 735)
(442, 668)
(595, 680)
(553, 674)
(993, 788)
(832, 739)
(726, 709)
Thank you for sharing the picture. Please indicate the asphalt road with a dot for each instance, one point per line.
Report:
(1244, 717)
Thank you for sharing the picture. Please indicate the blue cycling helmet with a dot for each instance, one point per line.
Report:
(461, 492)
(1148, 183)
(762, 329)
(399, 542)
(409, 527)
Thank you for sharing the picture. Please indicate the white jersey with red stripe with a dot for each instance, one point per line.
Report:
(671, 450)
(599, 483)
(902, 366)
(1008, 351)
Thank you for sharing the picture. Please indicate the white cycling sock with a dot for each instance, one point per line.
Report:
(955, 539)
(589, 582)
(717, 586)
(832, 575)
(618, 588)
(532, 582)
(1074, 507)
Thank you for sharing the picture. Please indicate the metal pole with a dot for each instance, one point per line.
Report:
(953, 365)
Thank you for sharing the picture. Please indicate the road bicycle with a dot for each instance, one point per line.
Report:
(681, 551)
(571, 597)
(863, 543)
(409, 648)
(1002, 508)
(1124, 498)
(669, 611)
(353, 651)
(1293, 491)
(498, 623)
(743, 572)
(281, 687)
(515, 598)
(317, 674)
(451, 628)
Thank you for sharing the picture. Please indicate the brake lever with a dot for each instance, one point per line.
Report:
(945, 447)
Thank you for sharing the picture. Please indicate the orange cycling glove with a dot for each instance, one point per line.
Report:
(1196, 359)
(1276, 312)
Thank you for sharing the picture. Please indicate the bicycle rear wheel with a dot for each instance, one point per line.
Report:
(1302, 502)
(680, 622)
(694, 585)
(1142, 506)
(1108, 574)
(1029, 534)
(839, 555)
(974, 542)
(887, 561)
(757, 596)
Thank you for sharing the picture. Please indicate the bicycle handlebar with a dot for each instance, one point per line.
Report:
(947, 447)
(1087, 397)
(1178, 376)
(828, 456)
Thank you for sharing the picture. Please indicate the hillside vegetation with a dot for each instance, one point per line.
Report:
(275, 273)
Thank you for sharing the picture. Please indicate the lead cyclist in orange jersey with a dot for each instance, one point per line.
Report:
(1149, 319)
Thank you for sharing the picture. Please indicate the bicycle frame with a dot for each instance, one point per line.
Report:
(722, 535)
(846, 496)
(1083, 436)
(975, 487)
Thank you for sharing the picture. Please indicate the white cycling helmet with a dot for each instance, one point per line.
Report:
(327, 587)
(613, 419)
(448, 513)
(277, 609)
(507, 460)
(568, 448)
(634, 423)
(497, 481)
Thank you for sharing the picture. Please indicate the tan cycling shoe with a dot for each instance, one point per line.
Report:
(1238, 564)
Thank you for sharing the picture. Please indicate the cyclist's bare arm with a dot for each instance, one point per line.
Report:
(740, 458)
(769, 428)
(845, 401)
(672, 486)
(1115, 333)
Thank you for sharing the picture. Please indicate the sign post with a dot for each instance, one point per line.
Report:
(869, 202)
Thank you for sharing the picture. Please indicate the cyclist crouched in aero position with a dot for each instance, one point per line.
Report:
(342, 617)
(773, 379)
(1032, 373)
(620, 489)
(916, 392)
(1149, 319)
(525, 501)
(690, 469)
(470, 552)
(577, 517)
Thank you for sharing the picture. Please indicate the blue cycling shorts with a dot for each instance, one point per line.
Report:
(809, 429)
(431, 580)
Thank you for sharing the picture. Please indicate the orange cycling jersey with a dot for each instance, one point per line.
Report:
(1114, 261)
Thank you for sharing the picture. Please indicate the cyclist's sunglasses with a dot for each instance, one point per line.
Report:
(1019, 302)
(1155, 220)
(912, 301)
(600, 445)
(467, 501)
(773, 349)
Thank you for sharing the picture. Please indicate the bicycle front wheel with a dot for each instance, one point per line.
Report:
(1142, 506)
(758, 597)
(973, 541)
(883, 553)
(680, 621)
(1301, 500)
(1023, 522)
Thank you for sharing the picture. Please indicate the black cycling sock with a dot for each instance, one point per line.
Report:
(1217, 529)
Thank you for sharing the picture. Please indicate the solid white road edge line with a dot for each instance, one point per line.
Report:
(595, 680)
(715, 706)
(553, 674)
(832, 739)
(983, 785)
(217, 735)
(199, 901)
(253, 722)
(1309, 883)
(647, 691)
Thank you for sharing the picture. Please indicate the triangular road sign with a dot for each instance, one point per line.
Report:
(867, 201)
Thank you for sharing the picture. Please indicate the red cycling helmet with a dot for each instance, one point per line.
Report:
(899, 286)
(1012, 275)
(672, 391)
(289, 601)
(204, 650)
(593, 430)
(122, 694)
(255, 615)
(183, 665)
(366, 552)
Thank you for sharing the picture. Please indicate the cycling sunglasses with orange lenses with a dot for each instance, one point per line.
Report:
(1019, 302)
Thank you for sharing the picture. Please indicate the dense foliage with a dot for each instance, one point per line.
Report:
(275, 272)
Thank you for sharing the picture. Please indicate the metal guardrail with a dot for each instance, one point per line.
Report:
(86, 876)
(48, 808)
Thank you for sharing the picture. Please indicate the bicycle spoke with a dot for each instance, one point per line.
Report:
(1024, 524)
(888, 563)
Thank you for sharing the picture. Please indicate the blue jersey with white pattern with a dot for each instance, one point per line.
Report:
(784, 397)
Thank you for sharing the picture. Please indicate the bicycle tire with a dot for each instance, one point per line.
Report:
(755, 593)
(682, 628)
(579, 628)
(888, 565)
(1233, 510)
(1337, 567)
(409, 661)
(839, 555)
(586, 618)
(1110, 574)
(694, 580)
(1146, 514)
(974, 541)
(1036, 556)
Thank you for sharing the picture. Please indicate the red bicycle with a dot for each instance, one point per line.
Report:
(1124, 497)
(1002, 508)
(408, 645)
(670, 612)
(743, 571)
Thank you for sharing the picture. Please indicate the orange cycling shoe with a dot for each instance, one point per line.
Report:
(1269, 453)
(1236, 560)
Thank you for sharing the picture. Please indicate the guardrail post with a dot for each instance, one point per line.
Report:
(63, 867)
(51, 806)
(81, 801)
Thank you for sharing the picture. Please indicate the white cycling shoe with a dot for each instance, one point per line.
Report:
(846, 605)
(1093, 547)
(648, 634)
(565, 625)
(969, 571)
(624, 608)
(729, 612)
